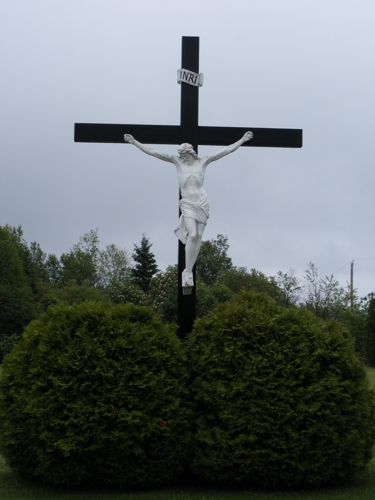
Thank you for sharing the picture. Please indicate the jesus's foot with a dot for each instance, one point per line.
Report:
(187, 278)
(187, 282)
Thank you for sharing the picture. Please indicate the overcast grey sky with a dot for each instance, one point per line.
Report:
(267, 63)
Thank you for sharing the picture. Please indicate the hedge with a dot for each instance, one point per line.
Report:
(280, 397)
(95, 393)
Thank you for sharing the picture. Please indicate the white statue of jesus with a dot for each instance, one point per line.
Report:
(194, 203)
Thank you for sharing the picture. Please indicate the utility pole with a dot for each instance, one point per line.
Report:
(351, 284)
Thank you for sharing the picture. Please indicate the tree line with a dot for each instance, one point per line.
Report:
(31, 281)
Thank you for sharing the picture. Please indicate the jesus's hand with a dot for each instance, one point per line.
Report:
(248, 136)
(129, 138)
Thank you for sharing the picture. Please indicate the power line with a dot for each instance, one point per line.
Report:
(341, 267)
(363, 258)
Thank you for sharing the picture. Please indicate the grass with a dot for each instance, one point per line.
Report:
(371, 376)
(13, 487)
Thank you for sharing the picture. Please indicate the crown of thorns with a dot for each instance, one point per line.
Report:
(187, 148)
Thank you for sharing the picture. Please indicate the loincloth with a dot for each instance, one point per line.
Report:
(199, 211)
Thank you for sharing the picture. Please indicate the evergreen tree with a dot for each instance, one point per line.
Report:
(145, 264)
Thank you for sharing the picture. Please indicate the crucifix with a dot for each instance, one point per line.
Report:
(188, 134)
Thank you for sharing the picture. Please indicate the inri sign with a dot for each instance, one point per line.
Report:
(186, 76)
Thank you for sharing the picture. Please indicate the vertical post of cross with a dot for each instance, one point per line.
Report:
(187, 131)
(189, 125)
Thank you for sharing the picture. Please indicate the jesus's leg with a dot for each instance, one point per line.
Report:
(193, 245)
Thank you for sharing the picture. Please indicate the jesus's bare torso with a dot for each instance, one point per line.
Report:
(190, 172)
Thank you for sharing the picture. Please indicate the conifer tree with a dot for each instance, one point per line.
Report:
(145, 264)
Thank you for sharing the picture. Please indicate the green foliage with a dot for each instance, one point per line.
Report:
(209, 297)
(15, 234)
(11, 266)
(238, 279)
(145, 264)
(113, 267)
(355, 321)
(7, 342)
(121, 293)
(39, 259)
(17, 309)
(17, 305)
(53, 268)
(33, 259)
(78, 266)
(95, 394)
(323, 296)
(162, 295)
(213, 260)
(72, 293)
(163, 292)
(81, 263)
(86, 262)
(370, 332)
(280, 397)
(290, 288)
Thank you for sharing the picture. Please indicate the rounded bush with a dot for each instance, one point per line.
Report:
(280, 397)
(95, 393)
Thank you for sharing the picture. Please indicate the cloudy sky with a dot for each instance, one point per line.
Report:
(267, 63)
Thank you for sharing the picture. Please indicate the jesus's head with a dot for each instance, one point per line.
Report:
(187, 149)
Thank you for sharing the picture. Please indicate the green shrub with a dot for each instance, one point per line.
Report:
(95, 393)
(280, 397)
(121, 293)
(7, 343)
(355, 321)
(210, 296)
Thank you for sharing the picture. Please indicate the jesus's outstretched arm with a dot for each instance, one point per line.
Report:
(160, 156)
(229, 149)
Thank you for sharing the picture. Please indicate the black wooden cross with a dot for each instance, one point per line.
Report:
(188, 131)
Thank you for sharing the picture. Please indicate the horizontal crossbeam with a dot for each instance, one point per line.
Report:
(176, 134)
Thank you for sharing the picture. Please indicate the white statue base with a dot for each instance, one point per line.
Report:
(187, 282)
